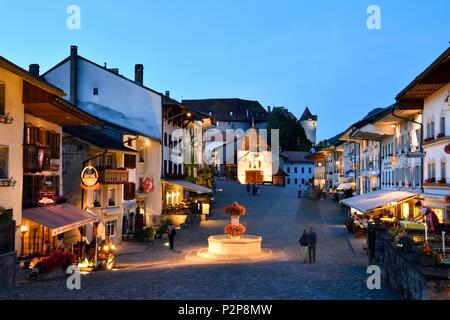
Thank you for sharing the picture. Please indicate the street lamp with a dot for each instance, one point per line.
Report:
(23, 230)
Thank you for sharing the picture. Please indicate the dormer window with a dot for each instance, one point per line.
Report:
(95, 91)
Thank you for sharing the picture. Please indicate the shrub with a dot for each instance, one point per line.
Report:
(164, 223)
(147, 233)
(54, 260)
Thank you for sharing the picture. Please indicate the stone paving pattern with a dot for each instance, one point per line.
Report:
(277, 215)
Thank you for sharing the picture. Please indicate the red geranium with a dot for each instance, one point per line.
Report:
(447, 149)
(234, 229)
(235, 209)
(54, 260)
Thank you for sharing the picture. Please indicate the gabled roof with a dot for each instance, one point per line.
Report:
(296, 156)
(106, 138)
(103, 68)
(242, 110)
(307, 115)
(44, 100)
(31, 78)
(433, 78)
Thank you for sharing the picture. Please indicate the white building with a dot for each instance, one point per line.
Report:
(309, 123)
(115, 99)
(430, 91)
(297, 166)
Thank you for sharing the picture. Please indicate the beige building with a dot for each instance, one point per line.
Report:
(32, 114)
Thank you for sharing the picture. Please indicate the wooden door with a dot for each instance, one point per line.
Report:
(254, 177)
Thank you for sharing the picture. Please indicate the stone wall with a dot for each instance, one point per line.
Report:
(74, 154)
(7, 270)
(401, 271)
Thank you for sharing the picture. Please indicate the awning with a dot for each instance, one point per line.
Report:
(59, 218)
(345, 186)
(190, 186)
(373, 200)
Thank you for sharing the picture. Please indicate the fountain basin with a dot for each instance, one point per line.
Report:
(225, 245)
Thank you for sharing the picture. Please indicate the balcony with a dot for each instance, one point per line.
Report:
(36, 158)
(112, 176)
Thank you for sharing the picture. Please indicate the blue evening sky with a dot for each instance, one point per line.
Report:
(285, 53)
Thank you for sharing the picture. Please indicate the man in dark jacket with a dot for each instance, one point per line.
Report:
(311, 240)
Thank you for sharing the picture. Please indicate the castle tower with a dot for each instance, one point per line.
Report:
(309, 123)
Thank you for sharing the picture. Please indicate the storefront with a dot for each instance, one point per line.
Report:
(53, 226)
(389, 207)
(182, 198)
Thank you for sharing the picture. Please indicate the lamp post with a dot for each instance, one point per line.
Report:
(23, 230)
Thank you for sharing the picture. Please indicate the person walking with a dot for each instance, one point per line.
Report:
(311, 240)
(299, 191)
(304, 246)
(248, 187)
(254, 189)
(171, 232)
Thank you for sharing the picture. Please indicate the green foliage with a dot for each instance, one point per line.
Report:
(164, 223)
(206, 177)
(292, 134)
(147, 233)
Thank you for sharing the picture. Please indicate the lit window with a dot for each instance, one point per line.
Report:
(96, 198)
(110, 228)
(111, 197)
(231, 113)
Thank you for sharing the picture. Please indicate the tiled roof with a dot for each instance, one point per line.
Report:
(307, 115)
(230, 110)
(108, 138)
(296, 156)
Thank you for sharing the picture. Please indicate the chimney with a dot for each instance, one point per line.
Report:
(139, 74)
(167, 93)
(34, 69)
(73, 74)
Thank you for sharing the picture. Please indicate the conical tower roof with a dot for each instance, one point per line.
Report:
(307, 115)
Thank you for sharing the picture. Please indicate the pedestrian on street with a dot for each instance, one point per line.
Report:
(304, 246)
(311, 240)
(248, 187)
(171, 232)
(299, 191)
(254, 189)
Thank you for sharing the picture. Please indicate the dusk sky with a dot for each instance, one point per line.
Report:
(284, 53)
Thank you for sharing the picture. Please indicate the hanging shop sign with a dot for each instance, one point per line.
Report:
(47, 197)
(149, 185)
(89, 178)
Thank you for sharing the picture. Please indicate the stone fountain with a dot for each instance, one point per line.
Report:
(234, 244)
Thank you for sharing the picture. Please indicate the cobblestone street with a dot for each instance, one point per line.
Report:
(277, 215)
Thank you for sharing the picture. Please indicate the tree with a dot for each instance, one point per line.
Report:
(292, 134)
